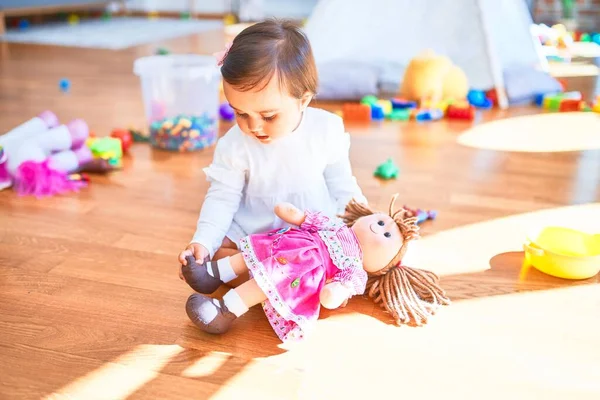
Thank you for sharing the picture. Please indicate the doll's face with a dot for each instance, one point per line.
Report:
(380, 240)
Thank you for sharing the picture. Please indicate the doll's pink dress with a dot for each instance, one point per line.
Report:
(291, 266)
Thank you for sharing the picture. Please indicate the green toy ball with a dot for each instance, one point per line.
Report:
(387, 170)
(185, 15)
(161, 51)
(369, 100)
(586, 37)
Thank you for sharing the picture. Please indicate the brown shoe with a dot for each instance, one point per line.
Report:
(197, 276)
(207, 315)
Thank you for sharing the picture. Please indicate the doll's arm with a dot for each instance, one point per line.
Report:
(334, 295)
(290, 214)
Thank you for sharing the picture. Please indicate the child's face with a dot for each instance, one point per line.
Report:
(268, 113)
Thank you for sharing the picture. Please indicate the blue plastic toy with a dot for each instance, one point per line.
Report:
(477, 99)
(23, 24)
(64, 84)
(400, 104)
(377, 112)
(429, 115)
(226, 112)
(596, 38)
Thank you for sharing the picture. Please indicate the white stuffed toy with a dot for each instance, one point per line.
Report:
(38, 156)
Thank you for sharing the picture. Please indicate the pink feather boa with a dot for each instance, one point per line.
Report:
(38, 179)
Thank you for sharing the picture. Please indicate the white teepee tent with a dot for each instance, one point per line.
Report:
(485, 38)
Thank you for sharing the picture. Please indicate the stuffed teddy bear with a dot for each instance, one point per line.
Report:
(431, 78)
(316, 261)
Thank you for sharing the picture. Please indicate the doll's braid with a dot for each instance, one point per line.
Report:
(410, 295)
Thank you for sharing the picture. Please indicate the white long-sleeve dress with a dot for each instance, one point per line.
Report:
(309, 167)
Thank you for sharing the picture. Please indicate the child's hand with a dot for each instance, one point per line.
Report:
(193, 249)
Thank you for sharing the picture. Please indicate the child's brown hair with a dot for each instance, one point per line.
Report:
(410, 295)
(268, 48)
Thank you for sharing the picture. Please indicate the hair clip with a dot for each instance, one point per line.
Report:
(220, 55)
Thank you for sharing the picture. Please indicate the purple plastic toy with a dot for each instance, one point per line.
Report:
(226, 112)
(421, 215)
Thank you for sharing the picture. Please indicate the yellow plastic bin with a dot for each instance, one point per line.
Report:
(563, 252)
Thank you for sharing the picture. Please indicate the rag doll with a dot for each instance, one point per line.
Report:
(316, 261)
(37, 157)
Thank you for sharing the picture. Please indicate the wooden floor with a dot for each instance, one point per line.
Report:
(91, 305)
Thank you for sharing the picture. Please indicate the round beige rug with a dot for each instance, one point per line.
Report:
(555, 132)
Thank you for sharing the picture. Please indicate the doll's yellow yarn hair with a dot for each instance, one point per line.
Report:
(410, 295)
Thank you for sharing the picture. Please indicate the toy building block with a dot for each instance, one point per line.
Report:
(386, 105)
(441, 105)
(433, 114)
(567, 105)
(398, 104)
(357, 112)
(458, 112)
(402, 114)
(387, 170)
(369, 100)
(539, 98)
(377, 112)
(552, 102)
(107, 148)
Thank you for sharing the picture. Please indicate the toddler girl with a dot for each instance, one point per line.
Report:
(279, 151)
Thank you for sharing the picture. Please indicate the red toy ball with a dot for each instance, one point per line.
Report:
(125, 136)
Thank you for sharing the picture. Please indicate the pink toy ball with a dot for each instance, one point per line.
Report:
(79, 131)
(49, 118)
(226, 112)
